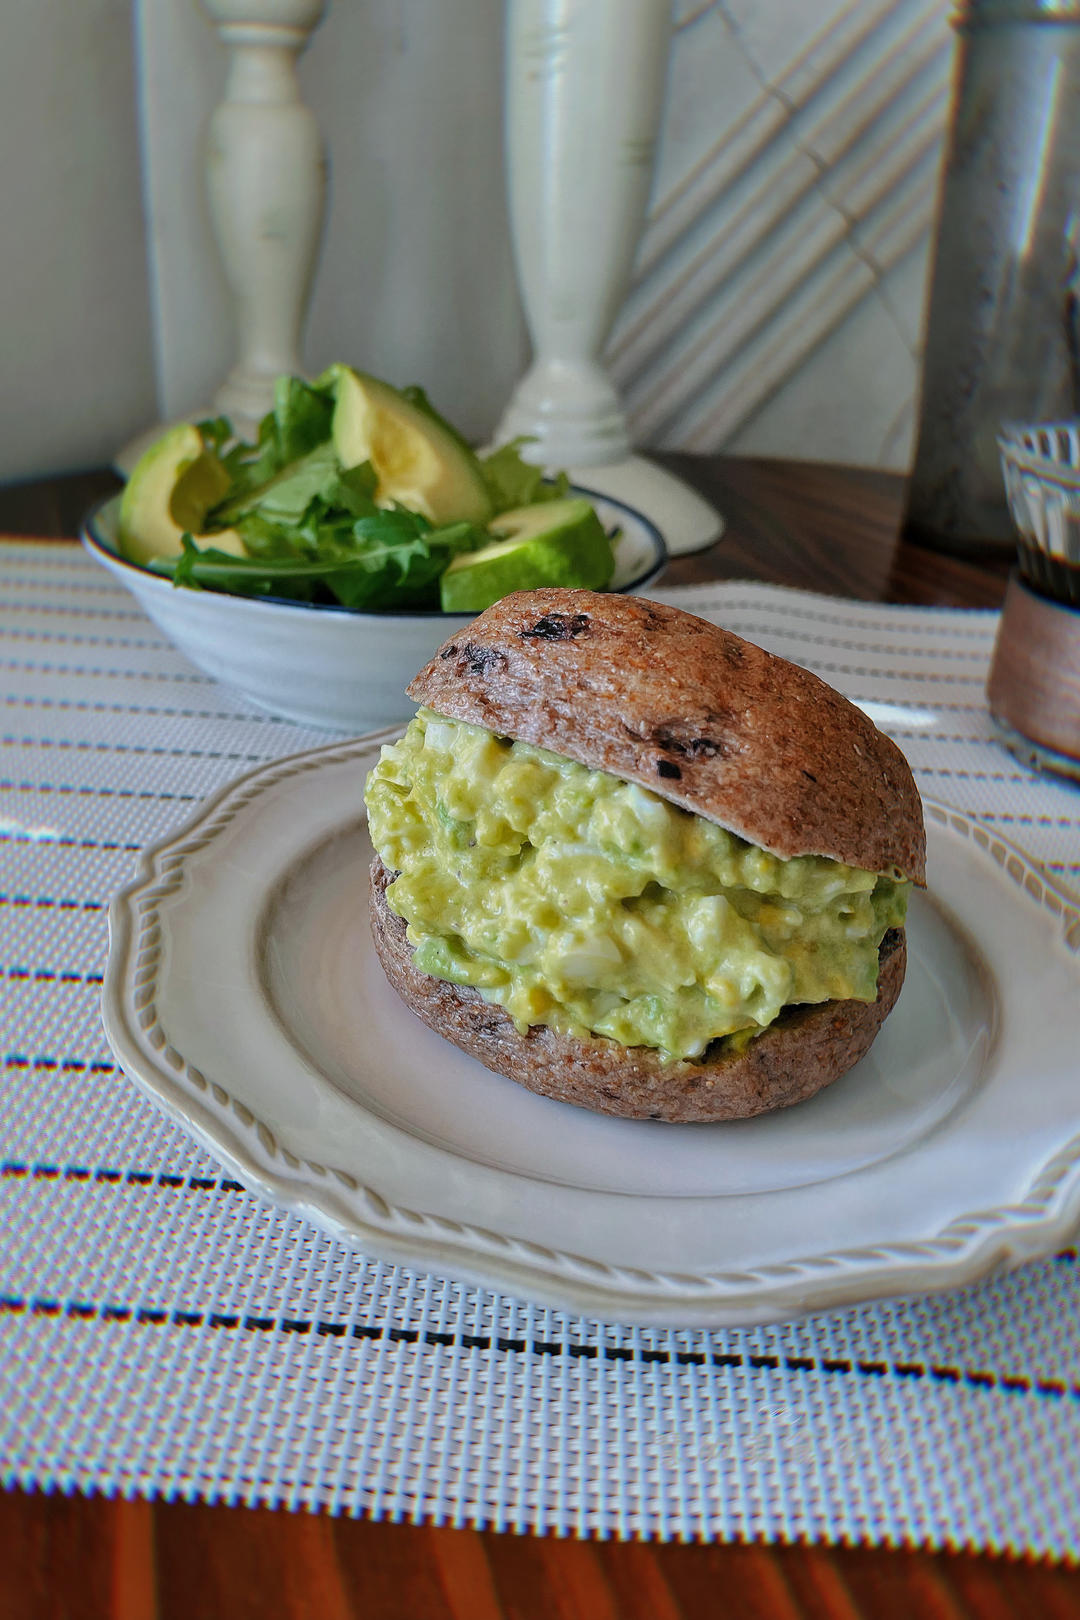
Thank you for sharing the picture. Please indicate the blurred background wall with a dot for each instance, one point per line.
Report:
(76, 351)
(778, 301)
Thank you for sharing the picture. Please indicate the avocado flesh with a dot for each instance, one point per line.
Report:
(418, 463)
(572, 898)
(550, 543)
(172, 487)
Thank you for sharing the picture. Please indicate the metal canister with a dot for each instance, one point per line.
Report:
(1002, 335)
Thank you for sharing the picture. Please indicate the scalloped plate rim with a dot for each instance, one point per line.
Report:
(968, 1249)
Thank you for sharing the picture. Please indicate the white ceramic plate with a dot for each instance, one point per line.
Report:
(243, 994)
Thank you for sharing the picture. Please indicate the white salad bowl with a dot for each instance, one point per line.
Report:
(325, 666)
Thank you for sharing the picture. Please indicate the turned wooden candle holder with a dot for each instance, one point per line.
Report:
(1034, 681)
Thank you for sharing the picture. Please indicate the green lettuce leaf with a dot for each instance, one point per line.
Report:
(299, 423)
(513, 482)
(385, 559)
(285, 497)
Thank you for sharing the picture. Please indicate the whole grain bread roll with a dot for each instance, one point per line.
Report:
(705, 719)
(724, 729)
(802, 1052)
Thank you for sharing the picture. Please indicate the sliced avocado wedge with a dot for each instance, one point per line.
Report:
(172, 487)
(551, 543)
(418, 460)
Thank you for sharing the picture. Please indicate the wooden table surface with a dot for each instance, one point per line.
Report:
(63, 1558)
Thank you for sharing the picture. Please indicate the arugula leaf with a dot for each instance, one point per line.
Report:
(355, 489)
(299, 423)
(286, 496)
(400, 559)
(513, 482)
(394, 523)
(216, 432)
(200, 567)
(303, 415)
(181, 569)
(267, 540)
(207, 569)
(386, 559)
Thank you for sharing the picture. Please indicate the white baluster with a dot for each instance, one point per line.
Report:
(584, 91)
(266, 182)
(266, 179)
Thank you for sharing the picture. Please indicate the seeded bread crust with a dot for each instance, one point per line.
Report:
(800, 1054)
(707, 720)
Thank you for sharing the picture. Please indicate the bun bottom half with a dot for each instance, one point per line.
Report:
(800, 1054)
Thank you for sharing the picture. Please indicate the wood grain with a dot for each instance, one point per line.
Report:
(53, 508)
(824, 528)
(86, 1558)
(70, 1557)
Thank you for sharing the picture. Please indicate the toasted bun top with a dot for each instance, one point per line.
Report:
(707, 720)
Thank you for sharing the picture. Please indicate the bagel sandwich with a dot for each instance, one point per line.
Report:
(636, 863)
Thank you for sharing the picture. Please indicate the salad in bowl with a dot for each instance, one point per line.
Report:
(315, 569)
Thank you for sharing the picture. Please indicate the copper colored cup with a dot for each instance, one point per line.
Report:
(1034, 682)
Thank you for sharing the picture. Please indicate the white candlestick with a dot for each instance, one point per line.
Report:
(266, 179)
(266, 182)
(584, 92)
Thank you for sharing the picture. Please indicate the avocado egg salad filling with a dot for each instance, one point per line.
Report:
(572, 898)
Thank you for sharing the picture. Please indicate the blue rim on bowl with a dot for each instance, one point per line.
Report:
(95, 536)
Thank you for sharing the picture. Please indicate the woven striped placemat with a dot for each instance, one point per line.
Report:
(166, 1332)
